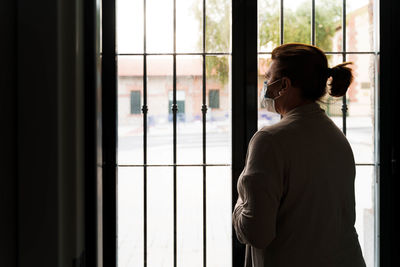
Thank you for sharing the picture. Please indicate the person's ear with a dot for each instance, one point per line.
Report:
(286, 84)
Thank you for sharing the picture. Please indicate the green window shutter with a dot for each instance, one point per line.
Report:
(135, 102)
(179, 103)
(213, 99)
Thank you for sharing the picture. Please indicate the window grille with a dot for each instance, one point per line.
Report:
(179, 108)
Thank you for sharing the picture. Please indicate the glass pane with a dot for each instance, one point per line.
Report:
(129, 26)
(365, 202)
(160, 213)
(360, 119)
(130, 117)
(190, 216)
(268, 25)
(265, 117)
(218, 26)
(360, 26)
(189, 26)
(130, 217)
(189, 118)
(159, 120)
(159, 26)
(328, 25)
(297, 21)
(219, 217)
(219, 119)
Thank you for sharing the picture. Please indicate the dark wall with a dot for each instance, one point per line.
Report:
(42, 133)
(389, 129)
(38, 133)
(8, 134)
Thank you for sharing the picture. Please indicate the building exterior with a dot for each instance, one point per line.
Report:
(189, 95)
(359, 38)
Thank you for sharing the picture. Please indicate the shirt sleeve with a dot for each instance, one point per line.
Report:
(260, 188)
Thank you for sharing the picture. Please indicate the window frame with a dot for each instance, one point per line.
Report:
(244, 117)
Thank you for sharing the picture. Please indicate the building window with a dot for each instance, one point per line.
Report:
(135, 102)
(213, 98)
(365, 85)
(180, 101)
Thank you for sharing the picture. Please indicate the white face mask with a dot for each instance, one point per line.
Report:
(265, 101)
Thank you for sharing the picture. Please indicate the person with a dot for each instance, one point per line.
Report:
(296, 204)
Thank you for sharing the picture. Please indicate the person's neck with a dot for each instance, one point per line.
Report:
(296, 104)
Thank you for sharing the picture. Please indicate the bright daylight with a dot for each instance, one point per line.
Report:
(155, 45)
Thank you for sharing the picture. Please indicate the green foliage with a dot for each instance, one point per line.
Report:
(269, 24)
(218, 26)
(217, 37)
(297, 23)
(327, 20)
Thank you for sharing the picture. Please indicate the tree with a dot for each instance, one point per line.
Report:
(217, 37)
(297, 23)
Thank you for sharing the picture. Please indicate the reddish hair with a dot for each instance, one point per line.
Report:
(307, 68)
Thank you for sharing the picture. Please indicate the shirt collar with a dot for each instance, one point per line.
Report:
(303, 110)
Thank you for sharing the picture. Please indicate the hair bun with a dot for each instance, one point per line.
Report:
(342, 77)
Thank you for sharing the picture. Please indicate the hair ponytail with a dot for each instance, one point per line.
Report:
(342, 77)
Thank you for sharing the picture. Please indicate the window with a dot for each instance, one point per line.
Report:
(180, 101)
(213, 98)
(365, 85)
(175, 158)
(135, 102)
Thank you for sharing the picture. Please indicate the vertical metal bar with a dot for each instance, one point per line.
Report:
(281, 7)
(313, 22)
(91, 128)
(344, 100)
(377, 136)
(144, 110)
(244, 99)
(204, 113)
(109, 134)
(281, 21)
(174, 113)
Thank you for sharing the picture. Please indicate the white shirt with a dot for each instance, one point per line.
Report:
(296, 204)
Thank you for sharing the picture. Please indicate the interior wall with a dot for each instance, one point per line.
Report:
(42, 133)
(8, 133)
(388, 130)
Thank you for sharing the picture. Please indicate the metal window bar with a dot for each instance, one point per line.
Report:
(336, 53)
(202, 165)
(313, 22)
(344, 105)
(145, 110)
(228, 54)
(178, 54)
(174, 113)
(204, 114)
(281, 21)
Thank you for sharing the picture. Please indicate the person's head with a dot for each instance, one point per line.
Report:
(300, 74)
